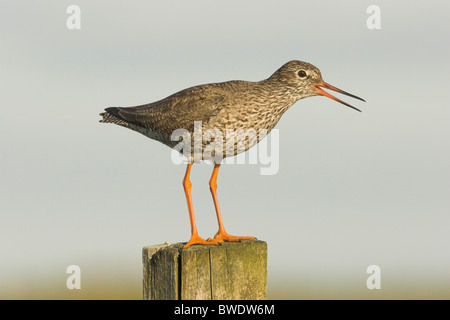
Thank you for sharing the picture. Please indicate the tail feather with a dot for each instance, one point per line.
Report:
(112, 116)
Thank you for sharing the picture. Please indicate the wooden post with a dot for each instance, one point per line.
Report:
(231, 271)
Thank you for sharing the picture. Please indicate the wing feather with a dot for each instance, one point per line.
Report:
(179, 110)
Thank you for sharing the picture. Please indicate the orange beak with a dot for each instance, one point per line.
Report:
(326, 94)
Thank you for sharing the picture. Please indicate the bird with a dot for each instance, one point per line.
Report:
(232, 106)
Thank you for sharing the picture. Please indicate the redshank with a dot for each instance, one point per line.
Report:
(238, 106)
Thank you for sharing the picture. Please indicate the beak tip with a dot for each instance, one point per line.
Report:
(320, 91)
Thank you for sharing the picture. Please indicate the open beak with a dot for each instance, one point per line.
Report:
(326, 94)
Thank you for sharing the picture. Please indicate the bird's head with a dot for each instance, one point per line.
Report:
(305, 80)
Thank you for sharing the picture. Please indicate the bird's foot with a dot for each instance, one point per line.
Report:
(195, 239)
(222, 236)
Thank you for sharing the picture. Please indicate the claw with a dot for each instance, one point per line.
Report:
(219, 242)
(223, 236)
(195, 239)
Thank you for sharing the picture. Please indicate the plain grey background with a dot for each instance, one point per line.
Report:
(353, 189)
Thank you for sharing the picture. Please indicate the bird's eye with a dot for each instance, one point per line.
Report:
(302, 74)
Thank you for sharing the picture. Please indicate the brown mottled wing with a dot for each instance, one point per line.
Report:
(178, 111)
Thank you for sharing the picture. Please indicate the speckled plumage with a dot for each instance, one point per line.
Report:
(208, 113)
(228, 105)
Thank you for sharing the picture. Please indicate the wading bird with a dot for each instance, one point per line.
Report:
(223, 106)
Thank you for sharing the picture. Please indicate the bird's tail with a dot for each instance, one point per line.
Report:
(111, 115)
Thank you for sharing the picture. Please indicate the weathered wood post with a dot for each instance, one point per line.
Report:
(233, 270)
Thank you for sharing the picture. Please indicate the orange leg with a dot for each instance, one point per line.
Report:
(195, 239)
(221, 235)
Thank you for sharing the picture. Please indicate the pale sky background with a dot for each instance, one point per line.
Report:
(353, 189)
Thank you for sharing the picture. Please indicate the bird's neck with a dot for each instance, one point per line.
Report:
(281, 96)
